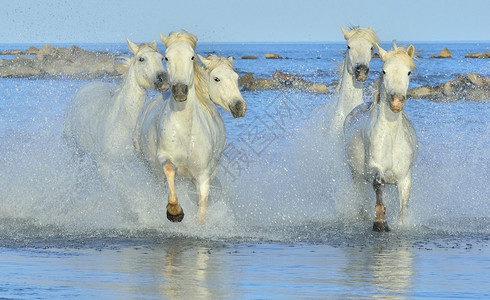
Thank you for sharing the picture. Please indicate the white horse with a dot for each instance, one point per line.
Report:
(355, 70)
(100, 121)
(185, 134)
(222, 83)
(381, 143)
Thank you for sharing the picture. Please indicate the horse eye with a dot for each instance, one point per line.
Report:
(142, 59)
(165, 58)
(348, 47)
(384, 72)
(217, 79)
(372, 48)
(192, 58)
(409, 72)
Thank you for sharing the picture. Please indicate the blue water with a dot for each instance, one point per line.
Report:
(274, 229)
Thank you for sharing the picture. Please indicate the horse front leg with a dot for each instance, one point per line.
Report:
(404, 187)
(380, 224)
(202, 186)
(175, 213)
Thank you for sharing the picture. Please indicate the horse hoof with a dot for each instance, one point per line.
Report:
(381, 226)
(175, 218)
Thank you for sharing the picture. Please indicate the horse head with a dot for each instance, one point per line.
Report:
(360, 46)
(147, 67)
(180, 58)
(395, 78)
(223, 84)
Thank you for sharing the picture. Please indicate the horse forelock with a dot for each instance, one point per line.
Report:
(216, 61)
(364, 33)
(182, 36)
(401, 54)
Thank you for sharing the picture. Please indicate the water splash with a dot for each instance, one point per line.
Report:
(296, 188)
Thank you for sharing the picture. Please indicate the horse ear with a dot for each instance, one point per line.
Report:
(230, 59)
(346, 33)
(204, 61)
(411, 51)
(164, 40)
(154, 44)
(132, 46)
(394, 45)
(382, 52)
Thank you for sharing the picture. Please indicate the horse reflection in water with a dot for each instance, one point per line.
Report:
(381, 143)
(386, 270)
(185, 134)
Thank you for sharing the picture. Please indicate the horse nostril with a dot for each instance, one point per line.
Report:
(238, 109)
(162, 83)
(361, 72)
(162, 78)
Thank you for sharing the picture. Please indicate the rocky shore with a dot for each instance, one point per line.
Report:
(472, 87)
(60, 62)
(75, 62)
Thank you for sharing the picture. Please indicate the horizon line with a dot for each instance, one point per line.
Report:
(253, 42)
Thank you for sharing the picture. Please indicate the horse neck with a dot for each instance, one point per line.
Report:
(130, 98)
(350, 93)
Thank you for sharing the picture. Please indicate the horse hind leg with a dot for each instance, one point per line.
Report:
(175, 213)
(380, 224)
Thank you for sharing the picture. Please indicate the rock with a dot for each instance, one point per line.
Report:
(285, 78)
(472, 87)
(51, 61)
(272, 56)
(318, 88)
(250, 57)
(280, 81)
(445, 53)
(479, 80)
(423, 92)
(31, 51)
(478, 55)
(261, 84)
(245, 79)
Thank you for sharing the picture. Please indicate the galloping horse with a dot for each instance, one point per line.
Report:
(100, 121)
(381, 143)
(355, 70)
(185, 134)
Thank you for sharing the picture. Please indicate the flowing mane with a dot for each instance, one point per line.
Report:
(200, 80)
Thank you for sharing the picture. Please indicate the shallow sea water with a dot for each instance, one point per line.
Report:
(282, 223)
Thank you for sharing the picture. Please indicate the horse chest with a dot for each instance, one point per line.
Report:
(389, 152)
(189, 144)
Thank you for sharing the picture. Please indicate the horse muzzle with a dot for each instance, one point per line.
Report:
(179, 92)
(361, 72)
(161, 82)
(238, 109)
(397, 102)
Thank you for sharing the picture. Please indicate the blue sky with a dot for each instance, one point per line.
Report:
(50, 21)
